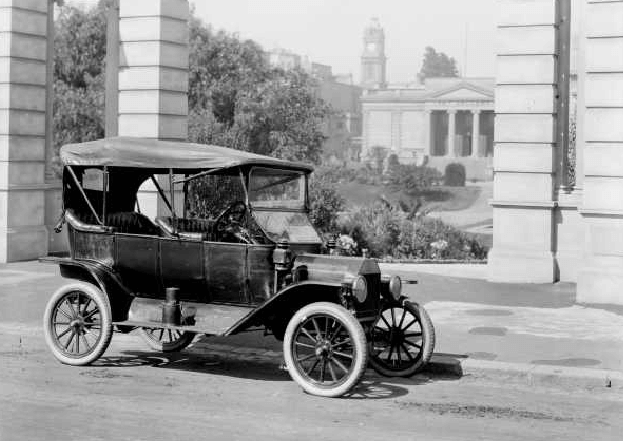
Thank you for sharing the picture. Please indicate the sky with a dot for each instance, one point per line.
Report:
(331, 31)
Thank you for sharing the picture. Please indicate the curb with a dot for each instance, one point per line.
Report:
(530, 374)
(441, 364)
(434, 261)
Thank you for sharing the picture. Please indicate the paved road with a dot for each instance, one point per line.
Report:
(135, 394)
(233, 389)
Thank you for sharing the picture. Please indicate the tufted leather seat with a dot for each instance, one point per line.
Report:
(124, 222)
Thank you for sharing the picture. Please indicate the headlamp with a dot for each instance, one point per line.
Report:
(360, 289)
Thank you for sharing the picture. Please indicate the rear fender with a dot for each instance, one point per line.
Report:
(102, 277)
(276, 312)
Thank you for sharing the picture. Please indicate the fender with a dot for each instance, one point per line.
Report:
(292, 296)
(99, 275)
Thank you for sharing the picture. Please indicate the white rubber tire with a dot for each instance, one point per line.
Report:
(358, 339)
(102, 303)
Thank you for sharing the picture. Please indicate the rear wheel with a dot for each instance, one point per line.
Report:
(401, 340)
(77, 323)
(166, 340)
(325, 349)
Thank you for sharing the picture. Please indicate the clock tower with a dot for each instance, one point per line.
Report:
(373, 59)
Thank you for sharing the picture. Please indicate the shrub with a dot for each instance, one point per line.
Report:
(412, 178)
(455, 175)
(429, 238)
(332, 174)
(325, 204)
(375, 227)
(392, 161)
(387, 230)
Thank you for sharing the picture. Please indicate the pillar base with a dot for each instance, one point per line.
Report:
(598, 284)
(521, 266)
(23, 243)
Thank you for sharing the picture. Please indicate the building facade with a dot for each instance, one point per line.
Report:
(434, 122)
(558, 188)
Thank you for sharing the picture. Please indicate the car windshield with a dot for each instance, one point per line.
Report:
(271, 188)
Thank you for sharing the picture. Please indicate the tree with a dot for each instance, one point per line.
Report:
(79, 65)
(437, 64)
(236, 99)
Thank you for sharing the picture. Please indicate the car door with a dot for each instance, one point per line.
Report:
(226, 271)
(136, 261)
(182, 267)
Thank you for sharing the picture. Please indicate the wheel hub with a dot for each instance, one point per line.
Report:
(323, 349)
(396, 335)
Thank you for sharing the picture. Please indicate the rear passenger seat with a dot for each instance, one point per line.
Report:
(129, 222)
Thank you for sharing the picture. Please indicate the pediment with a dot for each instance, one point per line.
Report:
(463, 92)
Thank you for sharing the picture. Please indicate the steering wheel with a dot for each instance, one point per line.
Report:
(234, 214)
(230, 222)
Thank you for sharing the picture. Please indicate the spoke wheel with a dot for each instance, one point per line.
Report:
(166, 340)
(401, 340)
(77, 324)
(325, 349)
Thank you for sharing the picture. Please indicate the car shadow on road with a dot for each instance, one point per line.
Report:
(372, 387)
(211, 365)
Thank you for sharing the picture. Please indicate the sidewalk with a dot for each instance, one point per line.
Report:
(518, 330)
(521, 328)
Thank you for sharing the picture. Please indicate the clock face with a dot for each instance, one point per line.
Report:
(371, 46)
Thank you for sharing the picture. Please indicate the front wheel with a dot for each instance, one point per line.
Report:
(77, 323)
(401, 340)
(325, 349)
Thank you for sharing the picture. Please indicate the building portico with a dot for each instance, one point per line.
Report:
(440, 121)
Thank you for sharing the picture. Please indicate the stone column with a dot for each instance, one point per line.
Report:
(427, 130)
(525, 98)
(601, 277)
(22, 129)
(111, 105)
(476, 133)
(451, 133)
(365, 154)
(396, 132)
(153, 78)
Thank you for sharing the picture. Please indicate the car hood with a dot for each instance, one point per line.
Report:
(335, 269)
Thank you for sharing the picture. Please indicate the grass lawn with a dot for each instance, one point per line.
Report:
(440, 198)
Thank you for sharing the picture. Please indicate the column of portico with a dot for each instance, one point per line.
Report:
(451, 133)
(23, 55)
(153, 78)
(427, 130)
(524, 221)
(601, 274)
(476, 134)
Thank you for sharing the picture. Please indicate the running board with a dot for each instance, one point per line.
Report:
(202, 318)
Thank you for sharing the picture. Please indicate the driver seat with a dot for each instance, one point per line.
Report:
(194, 229)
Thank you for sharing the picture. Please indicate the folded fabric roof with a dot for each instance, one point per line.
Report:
(151, 153)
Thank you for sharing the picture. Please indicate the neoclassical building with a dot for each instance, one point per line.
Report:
(437, 121)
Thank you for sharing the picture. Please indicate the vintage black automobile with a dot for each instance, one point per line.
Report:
(235, 251)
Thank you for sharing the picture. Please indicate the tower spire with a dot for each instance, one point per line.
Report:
(373, 60)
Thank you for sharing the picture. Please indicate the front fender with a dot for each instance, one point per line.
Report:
(284, 304)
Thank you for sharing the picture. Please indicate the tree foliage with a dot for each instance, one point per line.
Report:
(437, 64)
(238, 100)
(235, 98)
(79, 65)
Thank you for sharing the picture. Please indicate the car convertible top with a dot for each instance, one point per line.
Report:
(165, 155)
